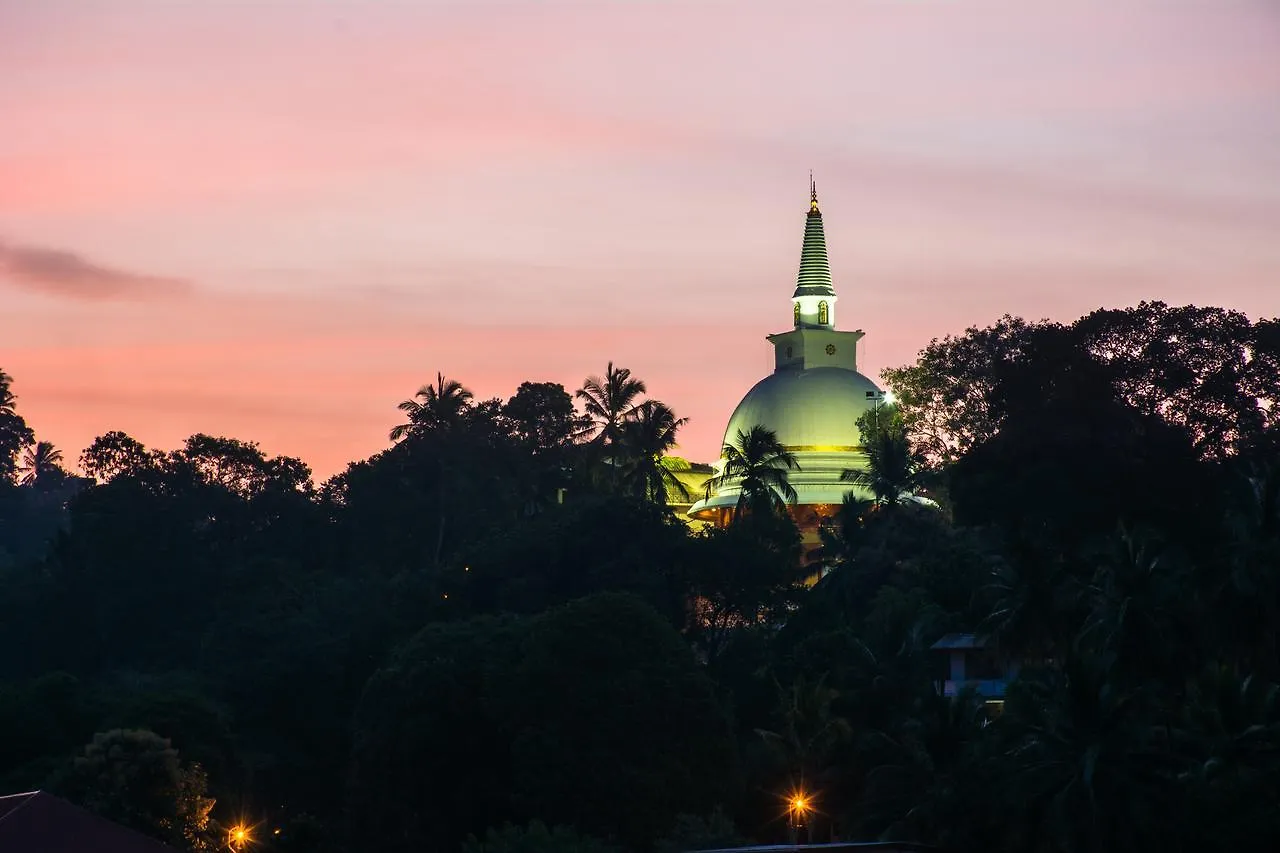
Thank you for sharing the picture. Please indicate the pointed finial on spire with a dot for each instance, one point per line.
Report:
(813, 194)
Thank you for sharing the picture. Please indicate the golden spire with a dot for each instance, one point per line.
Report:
(813, 194)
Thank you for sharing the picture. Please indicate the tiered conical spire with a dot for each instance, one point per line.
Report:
(815, 271)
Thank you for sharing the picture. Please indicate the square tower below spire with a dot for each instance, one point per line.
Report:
(804, 349)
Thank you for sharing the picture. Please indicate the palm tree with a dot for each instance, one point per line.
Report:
(438, 406)
(894, 470)
(1086, 759)
(437, 409)
(6, 396)
(916, 760)
(1140, 608)
(1243, 586)
(14, 432)
(842, 534)
(1036, 605)
(810, 729)
(39, 462)
(610, 402)
(1229, 737)
(806, 742)
(758, 464)
(644, 441)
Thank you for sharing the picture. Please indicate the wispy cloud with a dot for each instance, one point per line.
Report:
(64, 273)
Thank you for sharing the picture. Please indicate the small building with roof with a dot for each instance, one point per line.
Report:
(972, 662)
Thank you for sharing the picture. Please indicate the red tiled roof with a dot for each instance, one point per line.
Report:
(37, 822)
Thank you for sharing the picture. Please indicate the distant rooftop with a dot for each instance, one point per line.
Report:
(961, 641)
(37, 822)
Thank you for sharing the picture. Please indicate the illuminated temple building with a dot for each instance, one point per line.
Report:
(811, 400)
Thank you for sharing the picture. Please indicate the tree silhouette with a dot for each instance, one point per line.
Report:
(438, 406)
(610, 402)
(758, 464)
(41, 462)
(14, 433)
(645, 439)
(894, 471)
(114, 453)
(136, 778)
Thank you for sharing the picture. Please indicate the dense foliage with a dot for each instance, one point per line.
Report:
(493, 636)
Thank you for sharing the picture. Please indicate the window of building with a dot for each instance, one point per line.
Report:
(822, 313)
(797, 312)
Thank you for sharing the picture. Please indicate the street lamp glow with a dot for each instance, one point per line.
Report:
(799, 804)
(889, 399)
(238, 837)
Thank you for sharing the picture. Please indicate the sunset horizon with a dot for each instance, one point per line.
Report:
(275, 224)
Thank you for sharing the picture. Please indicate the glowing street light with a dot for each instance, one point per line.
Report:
(799, 805)
(238, 836)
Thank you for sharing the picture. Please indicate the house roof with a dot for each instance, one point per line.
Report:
(961, 641)
(37, 822)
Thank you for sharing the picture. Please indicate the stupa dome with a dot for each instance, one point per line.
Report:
(810, 410)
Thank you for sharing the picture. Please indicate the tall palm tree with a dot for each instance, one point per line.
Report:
(39, 462)
(758, 464)
(610, 402)
(438, 406)
(438, 409)
(644, 441)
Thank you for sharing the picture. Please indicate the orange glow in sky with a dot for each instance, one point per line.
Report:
(276, 220)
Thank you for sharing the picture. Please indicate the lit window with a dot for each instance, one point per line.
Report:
(797, 313)
(822, 313)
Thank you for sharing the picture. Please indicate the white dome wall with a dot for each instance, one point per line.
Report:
(814, 414)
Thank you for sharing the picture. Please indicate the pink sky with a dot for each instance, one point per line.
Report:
(275, 220)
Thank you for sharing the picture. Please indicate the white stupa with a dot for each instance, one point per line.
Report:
(813, 397)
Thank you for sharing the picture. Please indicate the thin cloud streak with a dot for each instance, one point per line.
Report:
(63, 273)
